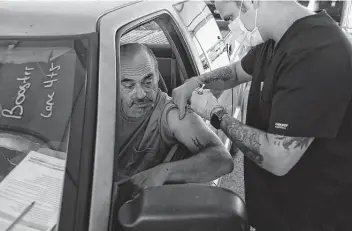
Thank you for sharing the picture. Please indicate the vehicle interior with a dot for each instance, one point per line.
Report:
(49, 136)
(23, 136)
(168, 67)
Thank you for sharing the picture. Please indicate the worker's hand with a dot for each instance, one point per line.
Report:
(204, 103)
(156, 176)
(183, 93)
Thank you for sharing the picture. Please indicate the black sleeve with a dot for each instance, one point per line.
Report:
(248, 61)
(312, 96)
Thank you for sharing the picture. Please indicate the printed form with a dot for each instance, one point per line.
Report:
(37, 178)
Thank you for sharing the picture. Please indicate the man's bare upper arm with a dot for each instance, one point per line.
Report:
(191, 131)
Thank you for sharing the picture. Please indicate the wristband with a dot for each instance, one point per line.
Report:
(216, 117)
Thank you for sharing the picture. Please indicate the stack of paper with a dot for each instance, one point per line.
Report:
(37, 178)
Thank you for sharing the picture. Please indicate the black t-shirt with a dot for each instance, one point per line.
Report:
(306, 83)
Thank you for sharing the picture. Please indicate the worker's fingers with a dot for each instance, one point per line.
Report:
(176, 97)
(139, 179)
(182, 108)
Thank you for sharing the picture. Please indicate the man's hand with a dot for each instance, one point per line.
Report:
(156, 176)
(181, 94)
(203, 103)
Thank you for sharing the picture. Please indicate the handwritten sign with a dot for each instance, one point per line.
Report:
(16, 111)
(37, 95)
(49, 84)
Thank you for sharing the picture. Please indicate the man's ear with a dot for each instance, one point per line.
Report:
(157, 75)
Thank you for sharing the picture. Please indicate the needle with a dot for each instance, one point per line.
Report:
(200, 90)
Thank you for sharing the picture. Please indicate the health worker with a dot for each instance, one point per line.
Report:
(298, 132)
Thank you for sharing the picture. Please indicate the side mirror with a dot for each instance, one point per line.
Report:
(184, 207)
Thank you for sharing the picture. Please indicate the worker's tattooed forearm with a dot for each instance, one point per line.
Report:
(246, 138)
(252, 155)
(221, 74)
(292, 142)
(241, 133)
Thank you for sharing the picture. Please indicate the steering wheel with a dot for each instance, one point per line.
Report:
(13, 144)
(25, 134)
(21, 140)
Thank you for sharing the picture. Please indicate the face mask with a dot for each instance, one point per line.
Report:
(244, 36)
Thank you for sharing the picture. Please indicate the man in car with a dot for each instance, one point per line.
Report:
(150, 127)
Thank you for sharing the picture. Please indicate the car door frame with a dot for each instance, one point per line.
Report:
(74, 207)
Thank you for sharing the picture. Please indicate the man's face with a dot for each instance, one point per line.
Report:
(139, 84)
(229, 11)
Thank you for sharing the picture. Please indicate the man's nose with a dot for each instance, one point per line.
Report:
(140, 93)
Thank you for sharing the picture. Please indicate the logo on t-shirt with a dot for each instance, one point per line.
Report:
(281, 126)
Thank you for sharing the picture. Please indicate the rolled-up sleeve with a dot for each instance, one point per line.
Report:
(248, 61)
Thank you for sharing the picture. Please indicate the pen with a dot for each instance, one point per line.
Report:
(24, 212)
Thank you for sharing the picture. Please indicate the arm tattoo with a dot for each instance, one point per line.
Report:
(254, 156)
(292, 142)
(198, 144)
(246, 138)
(220, 74)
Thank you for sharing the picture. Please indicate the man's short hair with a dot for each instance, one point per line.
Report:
(135, 49)
(238, 3)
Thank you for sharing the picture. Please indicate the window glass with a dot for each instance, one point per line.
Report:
(38, 90)
(346, 19)
(205, 33)
(212, 50)
(149, 33)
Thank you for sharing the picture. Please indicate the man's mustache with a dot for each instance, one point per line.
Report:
(141, 101)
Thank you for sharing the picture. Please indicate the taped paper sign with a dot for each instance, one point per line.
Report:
(37, 178)
(36, 92)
